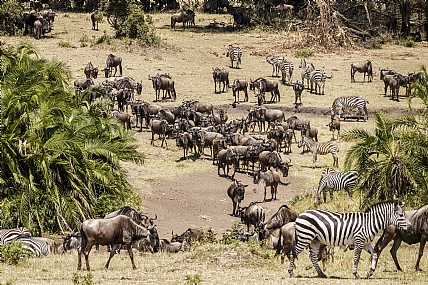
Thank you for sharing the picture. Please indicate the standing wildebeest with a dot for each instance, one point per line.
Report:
(266, 85)
(123, 117)
(202, 107)
(272, 158)
(187, 18)
(113, 62)
(236, 192)
(271, 178)
(333, 126)
(185, 140)
(82, 84)
(41, 26)
(394, 82)
(227, 157)
(91, 71)
(137, 217)
(252, 215)
(364, 67)
(220, 76)
(418, 234)
(161, 128)
(239, 85)
(298, 89)
(115, 231)
(94, 19)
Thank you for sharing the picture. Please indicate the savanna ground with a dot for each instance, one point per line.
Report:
(189, 193)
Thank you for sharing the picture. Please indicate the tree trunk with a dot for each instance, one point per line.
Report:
(405, 11)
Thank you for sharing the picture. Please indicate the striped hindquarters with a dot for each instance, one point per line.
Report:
(317, 76)
(326, 147)
(286, 68)
(9, 235)
(349, 102)
(235, 54)
(338, 180)
(35, 246)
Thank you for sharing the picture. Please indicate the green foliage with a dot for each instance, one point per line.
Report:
(304, 53)
(128, 20)
(409, 42)
(193, 279)
(79, 279)
(208, 236)
(10, 18)
(13, 253)
(69, 169)
(8, 282)
(64, 44)
(230, 236)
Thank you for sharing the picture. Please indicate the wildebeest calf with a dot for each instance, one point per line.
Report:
(236, 192)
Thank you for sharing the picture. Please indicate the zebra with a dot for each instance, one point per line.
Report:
(320, 148)
(235, 54)
(317, 77)
(36, 246)
(355, 229)
(334, 180)
(275, 61)
(306, 70)
(286, 68)
(9, 235)
(349, 102)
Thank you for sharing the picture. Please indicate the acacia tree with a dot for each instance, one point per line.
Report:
(61, 159)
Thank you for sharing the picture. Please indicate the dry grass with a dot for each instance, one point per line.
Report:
(189, 57)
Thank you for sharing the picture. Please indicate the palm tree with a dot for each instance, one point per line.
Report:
(391, 162)
(69, 155)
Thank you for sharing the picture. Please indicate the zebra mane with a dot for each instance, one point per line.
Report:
(375, 205)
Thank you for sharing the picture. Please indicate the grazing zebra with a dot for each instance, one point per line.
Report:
(317, 78)
(9, 235)
(356, 229)
(275, 61)
(36, 246)
(235, 54)
(286, 68)
(306, 70)
(334, 180)
(320, 148)
(349, 102)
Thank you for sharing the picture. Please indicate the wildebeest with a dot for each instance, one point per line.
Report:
(272, 158)
(164, 83)
(220, 76)
(362, 67)
(186, 18)
(72, 241)
(172, 247)
(202, 107)
(394, 82)
(161, 128)
(91, 71)
(139, 218)
(82, 84)
(266, 85)
(253, 215)
(49, 15)
(418, 234)
(270, 178)
(41, 26)
(236, 192)
(226, 158)
(113, 62)
(185, 141)
(239, 85)
(333, 126)
(191, 234)
(94, 19)
(298, 89)
(115, 231)
(123, 117)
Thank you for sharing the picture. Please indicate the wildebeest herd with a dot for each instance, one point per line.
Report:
(197, 125)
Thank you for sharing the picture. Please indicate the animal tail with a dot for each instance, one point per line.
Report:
(83, 240)
(120, 69)
(279, 244)
(293, 245)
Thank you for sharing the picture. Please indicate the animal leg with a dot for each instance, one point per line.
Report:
(393, 251)
(86, 253)
(131, 256)
(264, 197)
(357, 253)
(313, 255)
(421, 253)
(113, 250)
(370, 250)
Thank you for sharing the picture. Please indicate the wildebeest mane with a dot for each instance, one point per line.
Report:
(283, 216)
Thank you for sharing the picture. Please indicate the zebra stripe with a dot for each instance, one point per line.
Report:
(358, 229)
(275, 61)
(35, 246)
(349, 102)
(235, 54)
(317, 78)
(321, 148)
(9, 235)
(306, 70)
(286, 68)
(334, 180)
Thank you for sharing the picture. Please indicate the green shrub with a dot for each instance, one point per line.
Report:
(304, 53)
(12, 253)
(140, 26)
(10, 18)
(64, 44)
(409, 42)
(193, 279)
